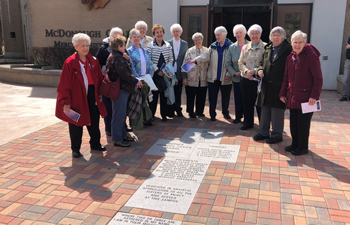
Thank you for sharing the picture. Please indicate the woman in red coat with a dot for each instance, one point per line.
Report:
(77, 90)
(302, 82)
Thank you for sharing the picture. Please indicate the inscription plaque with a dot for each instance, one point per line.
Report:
(171, 187)
(172, 148)
(132, 219)
(193, 135)
(216, 152)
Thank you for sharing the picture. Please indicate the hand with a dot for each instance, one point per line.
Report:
(347, 46)
(238, 74)
(250, 73)
(139, 84)
(312, 101)
(283, 99)
(100, 98)
(184, 81)
(251, 78)
(160, 73)
(66, 109)
(126, 56)
(261, 73)
(227, 77)
(192, 61)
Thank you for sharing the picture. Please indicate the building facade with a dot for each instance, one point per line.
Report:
(30, 24)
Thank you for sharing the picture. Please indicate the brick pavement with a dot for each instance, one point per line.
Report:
(40, 183)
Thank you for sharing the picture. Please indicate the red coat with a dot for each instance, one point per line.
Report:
(71, 90)
(302, 77)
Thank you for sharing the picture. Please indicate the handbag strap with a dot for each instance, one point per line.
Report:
(107, 69)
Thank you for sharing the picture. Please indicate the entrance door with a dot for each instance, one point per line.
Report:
(294, 17)
(194, 19)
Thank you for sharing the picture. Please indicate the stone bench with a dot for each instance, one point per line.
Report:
(19, 74)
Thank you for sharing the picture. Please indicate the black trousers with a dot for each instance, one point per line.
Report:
(178, 92)
(300, 128)
(196, 93)
(238, 100)
(108, 119)
(76, 132)
(165, 109)
(249, 90)
(213, 89)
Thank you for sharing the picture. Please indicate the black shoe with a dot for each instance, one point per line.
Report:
(298, 151)
(200, 114)
(122, 144)
(108, 133)
(128, 139)
(213, 119)
(171, 115)
(192, 115)
(129, 129)
(99, 148)
(76, 154)
(343, 99)
(274, 140)
(236, 121)
(148, 124)
(259, 137)
(244, 127)
(227, 116)
(290, 148)
(164, 119)
(179, 114)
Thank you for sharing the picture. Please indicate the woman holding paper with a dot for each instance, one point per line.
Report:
(141, 63)
(248, 63)
(77, 90)
(161, 54)
(271, 71)
(302, 82)
(195, 80)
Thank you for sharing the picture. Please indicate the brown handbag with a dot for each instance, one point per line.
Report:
(108, 88)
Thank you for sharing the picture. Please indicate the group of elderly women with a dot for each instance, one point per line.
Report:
(270, 77)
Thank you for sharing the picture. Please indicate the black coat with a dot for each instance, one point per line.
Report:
(273, 76)
(102, 54)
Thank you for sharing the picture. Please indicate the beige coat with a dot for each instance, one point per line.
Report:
(199, 71)
(145, 42)
(212, 57)
(250, 57)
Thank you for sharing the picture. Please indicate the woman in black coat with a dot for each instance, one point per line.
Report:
(271, 71)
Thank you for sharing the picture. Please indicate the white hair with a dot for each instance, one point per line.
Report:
(197, 35)
(239, 27)
(175, 26)
(141, 23)
(255, 27)
(80, 37)
(115, 30)
(134, 31)
(221, 29)
(299, 34)
(278, 30)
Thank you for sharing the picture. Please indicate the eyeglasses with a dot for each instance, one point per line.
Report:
(84, 46)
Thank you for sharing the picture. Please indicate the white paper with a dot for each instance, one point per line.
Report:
(306, 108)
(149, 81)
(188, 66)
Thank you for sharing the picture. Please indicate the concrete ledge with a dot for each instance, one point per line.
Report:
(29, 76)
(340, 83)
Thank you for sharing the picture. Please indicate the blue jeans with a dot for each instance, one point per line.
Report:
(119, 108)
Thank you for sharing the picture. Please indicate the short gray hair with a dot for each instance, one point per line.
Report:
(278, 30)
(80, 37)
(134, 31)
(176, 26)
(255, 27)
(299, 34)
(238, 27)
(141, 23)
(115, 30)
(197, 35)
(221, 29)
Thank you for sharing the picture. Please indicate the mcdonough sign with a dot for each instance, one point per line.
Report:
(70, 33)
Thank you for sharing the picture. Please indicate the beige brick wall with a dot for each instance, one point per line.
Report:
(345, 37)
(12, 24)
(72, 15)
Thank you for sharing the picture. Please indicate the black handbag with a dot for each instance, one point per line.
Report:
(159, 82)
